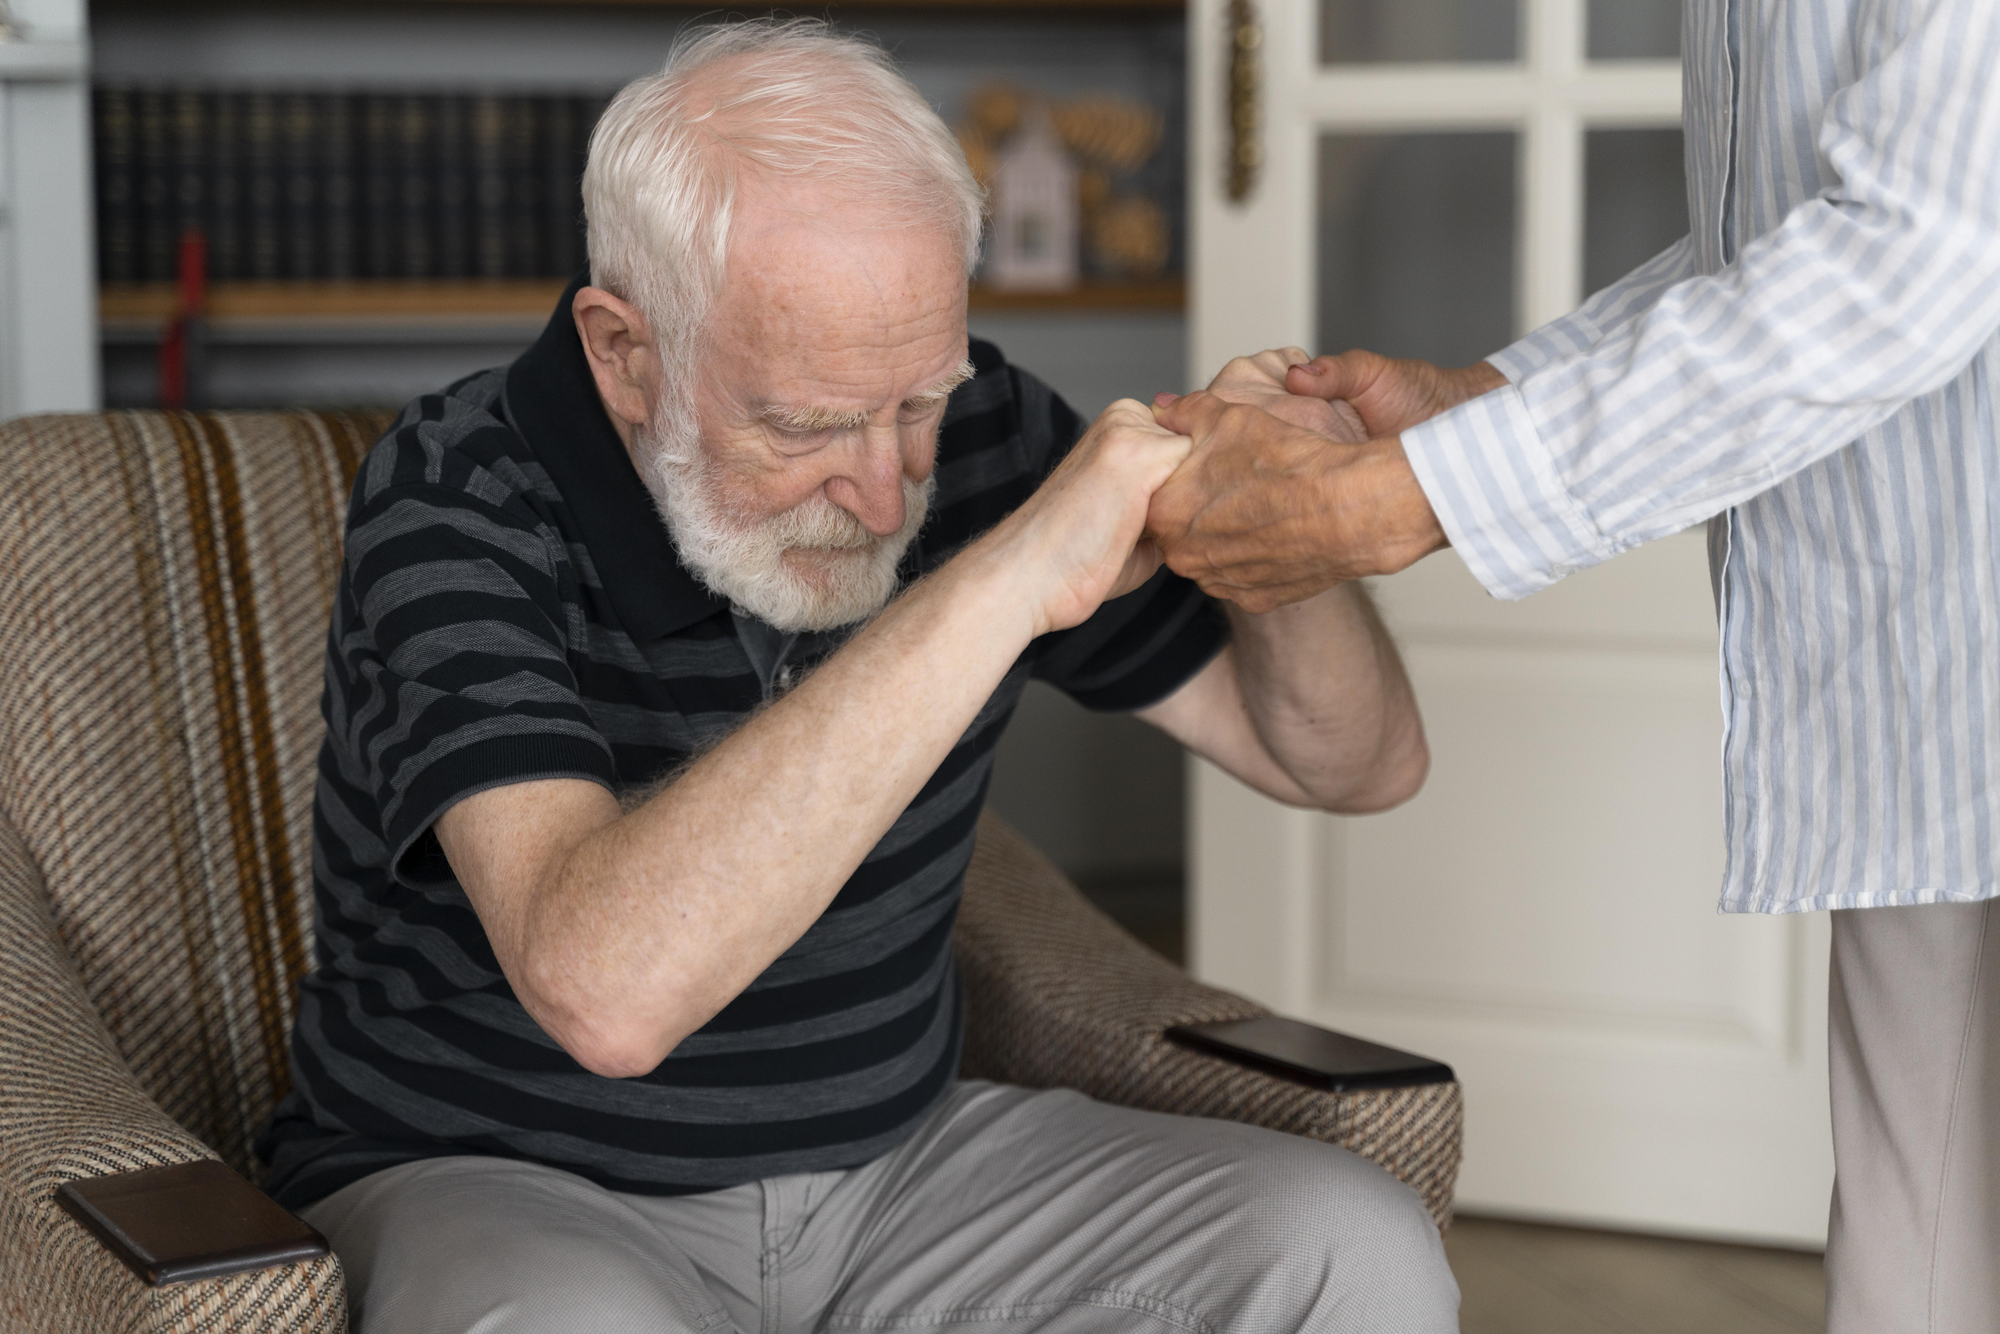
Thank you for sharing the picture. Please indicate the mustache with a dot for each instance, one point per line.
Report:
(818, 524)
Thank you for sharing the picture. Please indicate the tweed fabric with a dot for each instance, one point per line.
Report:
(1057, 995)
(69, 1109)
(165, 580)
(164, 583)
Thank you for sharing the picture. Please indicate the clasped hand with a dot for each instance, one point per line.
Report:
(1297, 479)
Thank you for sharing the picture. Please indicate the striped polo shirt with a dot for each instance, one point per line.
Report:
(511, 608)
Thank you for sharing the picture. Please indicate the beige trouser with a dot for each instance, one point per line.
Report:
(1913, 1245)
(1008, 1211)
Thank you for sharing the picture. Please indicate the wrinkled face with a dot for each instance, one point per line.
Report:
(806, 471)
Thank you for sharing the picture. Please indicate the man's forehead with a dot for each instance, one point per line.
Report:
(852, 333)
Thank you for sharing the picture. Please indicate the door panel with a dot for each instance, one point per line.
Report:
(1542, 915)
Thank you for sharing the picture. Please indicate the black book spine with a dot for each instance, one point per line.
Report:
(299, 171)
(453, 242)
(158, 219)
(524, 188)
(415, 162)
(263, 188)
(339, 195)
(380, 205)
(489, 186)
(192, 170)
(227, 261)
(562, 184)
(117, 188)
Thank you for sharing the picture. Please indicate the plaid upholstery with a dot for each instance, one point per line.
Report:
(164, 587)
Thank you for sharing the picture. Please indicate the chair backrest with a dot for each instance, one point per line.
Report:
(165, 580)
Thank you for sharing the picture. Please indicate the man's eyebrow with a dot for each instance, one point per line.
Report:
(940, 391)
(815, 417)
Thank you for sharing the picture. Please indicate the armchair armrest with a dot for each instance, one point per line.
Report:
(1059, 996)
(70, 1109)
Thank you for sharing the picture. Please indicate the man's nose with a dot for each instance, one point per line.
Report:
(871, 489)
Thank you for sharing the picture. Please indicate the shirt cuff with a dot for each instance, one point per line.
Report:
(1494, 489)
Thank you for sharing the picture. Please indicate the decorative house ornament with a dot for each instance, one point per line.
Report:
(1034, 210)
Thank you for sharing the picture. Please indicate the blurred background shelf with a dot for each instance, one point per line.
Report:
(405, 310)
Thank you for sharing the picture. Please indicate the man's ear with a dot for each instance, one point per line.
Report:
(622, 357)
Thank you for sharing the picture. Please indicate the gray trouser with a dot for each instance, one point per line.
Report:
(1009, 1209)
(1913, 1245)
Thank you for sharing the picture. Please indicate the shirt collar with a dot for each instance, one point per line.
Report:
(552, 401)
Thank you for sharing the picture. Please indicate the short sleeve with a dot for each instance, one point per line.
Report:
(449, 672)
(1136, 650)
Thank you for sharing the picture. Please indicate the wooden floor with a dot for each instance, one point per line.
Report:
(1524, 1278)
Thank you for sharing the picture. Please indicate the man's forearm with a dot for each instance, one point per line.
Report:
(660, 918)
(1325, 690)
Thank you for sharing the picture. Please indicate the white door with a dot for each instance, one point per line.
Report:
(1432, 178)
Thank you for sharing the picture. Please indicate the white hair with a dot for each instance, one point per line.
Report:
(786, 98)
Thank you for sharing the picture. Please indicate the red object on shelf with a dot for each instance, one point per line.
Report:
(190, 305)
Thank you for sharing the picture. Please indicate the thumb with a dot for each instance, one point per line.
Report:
(1325, 377)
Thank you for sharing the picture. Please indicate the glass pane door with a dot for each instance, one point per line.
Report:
(1416, 243)
(1366, 32)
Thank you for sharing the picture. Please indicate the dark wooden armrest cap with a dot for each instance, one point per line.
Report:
(188, 1221)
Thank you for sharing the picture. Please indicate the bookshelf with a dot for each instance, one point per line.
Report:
(835, 10)
(320, 331)
(404, 310)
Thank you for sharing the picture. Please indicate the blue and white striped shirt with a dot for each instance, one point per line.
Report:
(1816, 365)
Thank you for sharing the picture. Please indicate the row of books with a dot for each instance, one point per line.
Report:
(318, 186)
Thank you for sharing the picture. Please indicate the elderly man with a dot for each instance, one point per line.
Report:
(640, 832)
(1813, 369)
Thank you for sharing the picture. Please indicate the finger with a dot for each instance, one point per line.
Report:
(1273, 362)
(1161, 399)
(1128, 414)
(1192, 415)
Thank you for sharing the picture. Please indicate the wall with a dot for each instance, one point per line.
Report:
(48, 323)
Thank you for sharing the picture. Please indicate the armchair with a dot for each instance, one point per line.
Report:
(165, 580)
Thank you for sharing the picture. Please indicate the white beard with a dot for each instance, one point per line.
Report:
(813, 567)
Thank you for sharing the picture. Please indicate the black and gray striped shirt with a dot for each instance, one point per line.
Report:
(511, 608)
